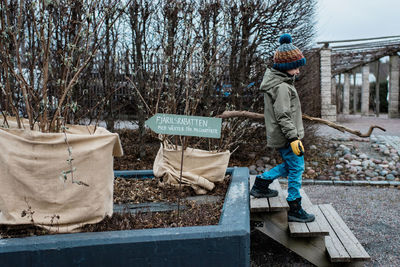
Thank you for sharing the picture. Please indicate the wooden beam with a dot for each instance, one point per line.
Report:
(358, 40)
(311, 249)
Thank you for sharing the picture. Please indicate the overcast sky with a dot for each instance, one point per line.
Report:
(354, 19)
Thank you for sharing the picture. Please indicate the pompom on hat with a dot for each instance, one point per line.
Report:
(288, 56)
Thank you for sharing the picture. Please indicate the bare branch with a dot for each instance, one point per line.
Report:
(257, 116)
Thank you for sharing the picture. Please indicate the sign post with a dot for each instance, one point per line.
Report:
(187, 126)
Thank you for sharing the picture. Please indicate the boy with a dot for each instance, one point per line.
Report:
(283, 121)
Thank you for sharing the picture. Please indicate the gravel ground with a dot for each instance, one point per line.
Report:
(372, 213)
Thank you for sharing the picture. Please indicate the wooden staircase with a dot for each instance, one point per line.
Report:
(325, 242)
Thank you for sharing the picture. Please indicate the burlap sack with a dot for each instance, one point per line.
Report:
(201, 169)
(32, 185)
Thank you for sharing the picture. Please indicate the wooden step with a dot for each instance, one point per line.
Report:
(268, 204)
(309, 240)
(318, 227)
(341, 244)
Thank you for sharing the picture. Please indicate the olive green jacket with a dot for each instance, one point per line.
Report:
(282, 110)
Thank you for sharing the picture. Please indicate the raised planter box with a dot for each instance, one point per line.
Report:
(226, 244)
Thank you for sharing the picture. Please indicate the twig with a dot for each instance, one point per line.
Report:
(180, 176)
(140, 95)
(83, 65)
(253, 115)
(343, 128)
(5, 122)
(29, 212)
(69, 160)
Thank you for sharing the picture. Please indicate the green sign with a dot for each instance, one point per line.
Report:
(185, 125)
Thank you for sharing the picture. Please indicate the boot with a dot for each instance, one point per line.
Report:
(297, 214)
(260, 188)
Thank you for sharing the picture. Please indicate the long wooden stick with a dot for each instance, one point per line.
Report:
(253, 115)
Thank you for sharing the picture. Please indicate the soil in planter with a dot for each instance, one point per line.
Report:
(134, 191)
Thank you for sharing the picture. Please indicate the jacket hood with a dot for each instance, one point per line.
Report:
(273, 77)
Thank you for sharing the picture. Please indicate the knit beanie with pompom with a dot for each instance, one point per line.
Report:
(288, 56)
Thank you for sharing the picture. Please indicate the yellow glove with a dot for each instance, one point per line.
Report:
(297, 147)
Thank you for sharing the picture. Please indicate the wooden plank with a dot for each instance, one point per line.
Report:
(268, 204)
(146, 207)
(316, 228)
(278, 203)
(353, 246)
(335, 249)
(297, 229)
(257, 204)
(347, 238)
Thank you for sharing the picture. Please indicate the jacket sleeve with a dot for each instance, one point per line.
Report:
(283, 112)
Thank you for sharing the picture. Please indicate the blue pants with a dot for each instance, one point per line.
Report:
(292, 167)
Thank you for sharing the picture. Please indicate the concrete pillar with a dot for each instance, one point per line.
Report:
(394, 75)
(333, 90)
(365, 90)
(328, 111)
(346, 94)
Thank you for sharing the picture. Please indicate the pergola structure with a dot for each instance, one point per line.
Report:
(346, 57)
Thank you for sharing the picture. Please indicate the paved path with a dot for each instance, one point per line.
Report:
(362, 123)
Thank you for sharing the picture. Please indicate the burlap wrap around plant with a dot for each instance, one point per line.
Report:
(201, 168)
(32, 186)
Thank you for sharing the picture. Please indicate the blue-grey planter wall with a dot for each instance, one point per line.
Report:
(226, 244)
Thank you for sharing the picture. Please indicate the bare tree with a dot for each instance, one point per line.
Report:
(254, 27)
(139, 18)
(63, 60)
(62, 40)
